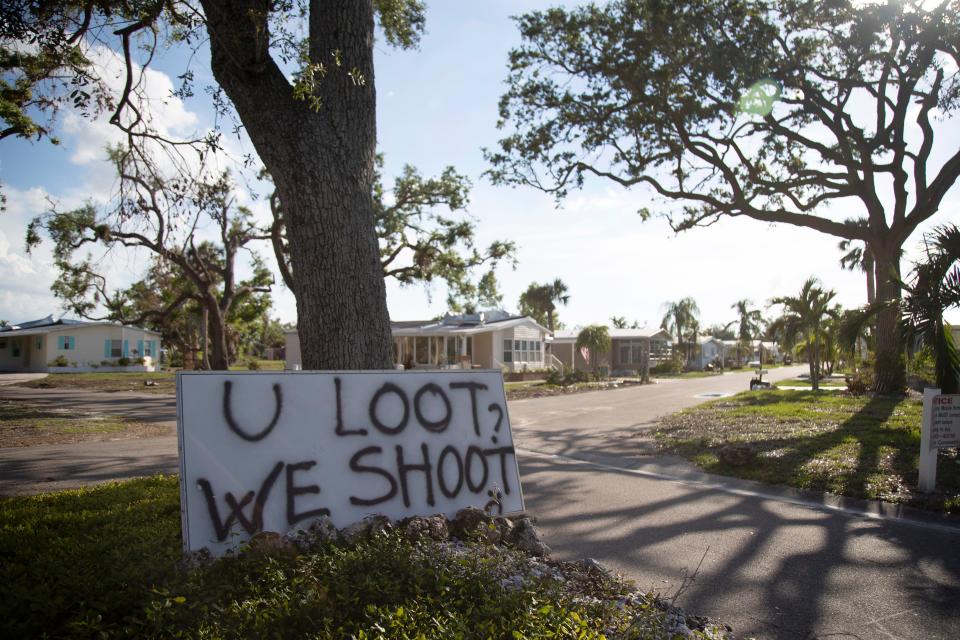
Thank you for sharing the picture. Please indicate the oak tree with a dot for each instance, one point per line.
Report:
(794, 112)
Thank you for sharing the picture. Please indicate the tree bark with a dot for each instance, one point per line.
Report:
(322, 163)
(889, 374)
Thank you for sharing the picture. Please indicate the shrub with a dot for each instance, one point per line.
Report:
(568, 377)
(59, 361)
(123, 362)
(253, 364)
(860, 381)
(555, 377)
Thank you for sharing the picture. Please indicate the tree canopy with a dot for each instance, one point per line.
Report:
(772, 110)
(421, 240)
(299, 79)
(163, 218)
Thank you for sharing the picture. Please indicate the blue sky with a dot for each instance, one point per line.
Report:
(437, 106)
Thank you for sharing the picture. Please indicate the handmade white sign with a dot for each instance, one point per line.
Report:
(274, 451)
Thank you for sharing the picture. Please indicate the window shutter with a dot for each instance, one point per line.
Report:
(126, 348)
(61, 342)
(153, 349)
(140, 348)
(106, 348)
(73, 344)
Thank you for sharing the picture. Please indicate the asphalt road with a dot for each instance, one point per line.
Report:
(773, 563)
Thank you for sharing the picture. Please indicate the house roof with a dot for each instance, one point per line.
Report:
(619, 334)
(48, 324)
(467, 324)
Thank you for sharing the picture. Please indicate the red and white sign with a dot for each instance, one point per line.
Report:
(945, 422)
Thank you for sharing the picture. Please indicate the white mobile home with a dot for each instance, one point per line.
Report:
(73, 345)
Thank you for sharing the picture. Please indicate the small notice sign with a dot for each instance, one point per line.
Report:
(274, 451)
(945, 421)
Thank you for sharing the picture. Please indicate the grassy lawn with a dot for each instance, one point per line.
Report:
(24, 425)
(107, 382)
(105, 563)
(854, 446)
(834, 383)
(686, 374)
(262, 365)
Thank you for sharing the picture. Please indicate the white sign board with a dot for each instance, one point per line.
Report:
(945, 422)
(273, 451)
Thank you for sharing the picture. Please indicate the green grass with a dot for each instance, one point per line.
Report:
(23, 425)
(686, 374)
(805, 382)
(107, 382)
(105, 562)
(262, 365)
(826, 441)
(59, 420)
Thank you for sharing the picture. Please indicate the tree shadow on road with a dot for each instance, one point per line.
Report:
(800, 567)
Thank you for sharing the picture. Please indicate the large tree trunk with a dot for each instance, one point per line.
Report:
(870, 269)
(889, 374)
(217, 325)
(321, 160)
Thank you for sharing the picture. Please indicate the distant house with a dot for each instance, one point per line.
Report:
(45, 344)
(625, 354)
(714, 349)
(486, 340)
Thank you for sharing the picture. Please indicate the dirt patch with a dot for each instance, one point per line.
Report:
(26, 425)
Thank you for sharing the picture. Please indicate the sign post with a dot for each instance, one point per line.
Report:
(940, 429)
(275, 451)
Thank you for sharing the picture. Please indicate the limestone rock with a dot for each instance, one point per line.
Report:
(418, 528)
(468, 522)
(524, 536)
(737, 454)
(271, 543)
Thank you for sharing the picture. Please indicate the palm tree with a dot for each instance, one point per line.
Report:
(936, 288)
(804, 315)
(618, 322)
(749, 321)
(693, 336)
(540, 301)
(596, 339)
(678, 317)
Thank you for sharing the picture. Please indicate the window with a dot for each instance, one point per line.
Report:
(422, 346)
(3, 344)
(116, 349)
(631, 352)
(39, 343)
(16, 349)
(507, 351)
(66, 343)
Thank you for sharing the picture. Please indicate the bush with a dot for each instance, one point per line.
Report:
(860, 382)
(123, 362)
(59, 361)
(567, 377)
(252, 364)
(670, 366)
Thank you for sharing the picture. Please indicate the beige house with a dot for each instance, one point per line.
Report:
(73, 345)
(626, 351)
(487, 340)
